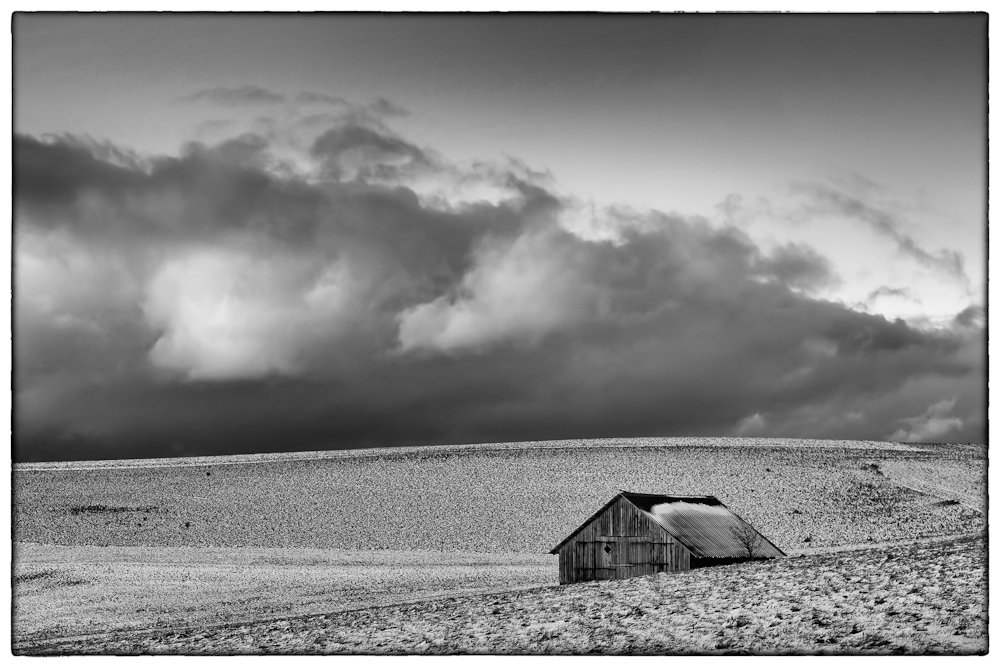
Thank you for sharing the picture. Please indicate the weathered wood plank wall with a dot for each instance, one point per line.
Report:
(619, 543)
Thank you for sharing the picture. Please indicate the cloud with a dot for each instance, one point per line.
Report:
(799, 266)
(353, 152)
(519, 291)
(380, 107)
(240, 96)
(973, 317)
(754, 424)
(54, 173)
(228, 314)
(213, 126)
(883, 291)
(384, 107)
(320, 98)
(281, 291)
(825, 199)
(932, 425)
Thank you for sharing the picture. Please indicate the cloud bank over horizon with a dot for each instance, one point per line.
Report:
(314, 280)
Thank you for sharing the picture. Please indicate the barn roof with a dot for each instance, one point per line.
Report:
(701, 523)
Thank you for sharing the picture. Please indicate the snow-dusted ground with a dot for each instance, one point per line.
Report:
(492, 499)
(920, 599)
(963, 480)
(89, 533)
(66, 591)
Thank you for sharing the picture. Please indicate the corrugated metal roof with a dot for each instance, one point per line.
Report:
(708, 529)
(701, 523)
(645, 501)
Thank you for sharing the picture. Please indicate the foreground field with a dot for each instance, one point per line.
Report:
(65, 591)
(921, 599)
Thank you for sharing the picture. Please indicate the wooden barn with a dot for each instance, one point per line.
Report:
(636, 534)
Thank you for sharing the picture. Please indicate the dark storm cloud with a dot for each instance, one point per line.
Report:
(798, 265)
(826, 199)
(52, 174)
(243, 95)
(197, 195)
(973, 316)
(221, 301)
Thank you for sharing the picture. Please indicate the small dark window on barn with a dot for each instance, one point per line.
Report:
(607, 548)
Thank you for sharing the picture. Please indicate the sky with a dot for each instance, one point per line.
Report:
(277, 233)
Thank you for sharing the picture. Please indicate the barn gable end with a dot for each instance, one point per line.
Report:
(620, 541)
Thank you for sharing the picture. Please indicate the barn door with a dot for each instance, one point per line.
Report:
(608, 553)
(596, 560)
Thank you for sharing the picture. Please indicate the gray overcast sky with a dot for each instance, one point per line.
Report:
(841, 158)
